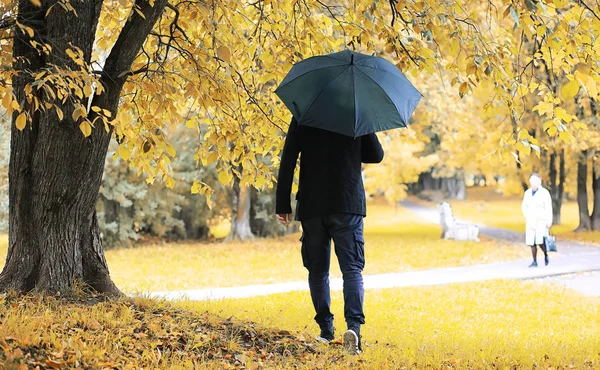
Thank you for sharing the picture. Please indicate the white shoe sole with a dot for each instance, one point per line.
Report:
(320, 339)
(351, 342)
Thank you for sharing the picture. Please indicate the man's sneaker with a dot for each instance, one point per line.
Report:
(351, 344)
(546, 260)
(323, 340)
(533, 264)
(326, 336)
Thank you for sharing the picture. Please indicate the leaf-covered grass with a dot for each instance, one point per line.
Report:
(492, 325)
(395, 242)
(592, 237)
(47, 333)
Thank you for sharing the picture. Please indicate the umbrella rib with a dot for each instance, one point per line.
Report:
(393, 87)
(305, 73)
(384, 92)
(323, 56)
(390, 73)
(330, 57)
(319, 95)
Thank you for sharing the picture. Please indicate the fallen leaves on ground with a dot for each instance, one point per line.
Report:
(489, 325)
(51, 333)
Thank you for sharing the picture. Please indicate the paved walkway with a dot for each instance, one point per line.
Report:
(565, 248)
(587, 283)
(574, 258)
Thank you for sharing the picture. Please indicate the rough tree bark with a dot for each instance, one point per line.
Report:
(455, 187)
(260, 227)
(427, 182)
(522, 178)
(585, 221)
(480, 180)
(524, 184)
(111, 214)
(595, 218)
(240, 222)
(557, 190)
(54, 172)
(596, 188)
(262, 222)
(561, 185)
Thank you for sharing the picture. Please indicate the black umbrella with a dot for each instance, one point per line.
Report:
(349, 93)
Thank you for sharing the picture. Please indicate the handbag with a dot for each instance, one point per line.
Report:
(550, 243)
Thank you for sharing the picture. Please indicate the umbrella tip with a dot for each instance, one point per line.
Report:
(351, 58)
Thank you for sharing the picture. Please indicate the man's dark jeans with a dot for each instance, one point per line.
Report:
(346, 230)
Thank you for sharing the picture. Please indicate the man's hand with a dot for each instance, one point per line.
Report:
(285, 219)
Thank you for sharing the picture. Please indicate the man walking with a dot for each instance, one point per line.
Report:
(330, 205)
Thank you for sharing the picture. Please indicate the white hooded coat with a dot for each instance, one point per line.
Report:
(537, 210)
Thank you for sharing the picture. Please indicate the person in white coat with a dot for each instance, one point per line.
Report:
(537, 209)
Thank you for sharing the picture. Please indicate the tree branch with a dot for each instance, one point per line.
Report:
(590, 9)
(130, 41)
(394, 11)
(174, 24)
(408, 53)
(330, 11)
(255, 101)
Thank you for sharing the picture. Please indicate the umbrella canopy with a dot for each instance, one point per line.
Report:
(349, 93)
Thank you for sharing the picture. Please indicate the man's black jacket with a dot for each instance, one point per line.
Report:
(330, 172)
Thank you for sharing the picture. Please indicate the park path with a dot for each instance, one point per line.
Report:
(575, 258)
(565, 247)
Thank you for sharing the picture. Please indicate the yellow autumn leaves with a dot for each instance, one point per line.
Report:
(224, 53)
(570, 89)
(219, 79)
(11, 105)
(21, 121)
(58, 88)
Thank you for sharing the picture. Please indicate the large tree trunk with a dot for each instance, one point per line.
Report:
(258, 225)
(561, 186)
(557, 190)
(55, 172)
(480, 180)
(522, 179)
(455, 187)
(111, 215)
(262, 222)
(240, 222)
(429, 183)
(596, 188)
(585, 221)
(426, 182)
